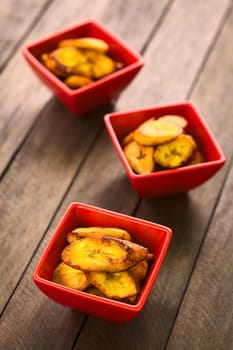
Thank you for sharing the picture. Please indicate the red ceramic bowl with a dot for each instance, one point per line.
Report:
(153, 236)
(96, 94)
(174, 181)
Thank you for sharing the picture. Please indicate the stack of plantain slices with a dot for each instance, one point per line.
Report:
(103, 261)
(159, 144)
(80, 61)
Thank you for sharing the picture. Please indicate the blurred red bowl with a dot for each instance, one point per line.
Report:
(171, 181)
(151, 235)
(99, 93)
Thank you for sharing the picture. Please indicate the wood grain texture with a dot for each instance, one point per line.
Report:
(36, 183)
(205, 320)
(208, 299)
(175, 55)
(15, 21)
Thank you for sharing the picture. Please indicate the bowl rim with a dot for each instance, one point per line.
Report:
(150, 279)
(166, 172)
(26, 51)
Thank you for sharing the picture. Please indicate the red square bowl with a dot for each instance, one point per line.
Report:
(98, 93)
(171, 181)
(153, 236)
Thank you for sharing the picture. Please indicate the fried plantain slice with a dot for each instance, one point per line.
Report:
(115, 285)
(97, 231)
(197, 158)
(66, 43)
(86, 43)
(175, 153)
(52, 66)
(67, 56)
(101, 64)
(175, 119)
(103, 254)
(154, 132)
(65, 61)
(70, 277)
(139, 271)
(93, 290)
(77, 81)
(150, 257)
(140, 157)
(83, 68)
(128, 138)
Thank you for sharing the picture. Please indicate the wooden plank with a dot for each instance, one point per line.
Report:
(14, 24)
(178, 47)
(206, 316)
(212, 312)
(28, 173)
(153, 325)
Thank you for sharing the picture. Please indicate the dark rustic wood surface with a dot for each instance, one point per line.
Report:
(49, 158)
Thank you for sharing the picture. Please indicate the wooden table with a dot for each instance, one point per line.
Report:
(49, 158)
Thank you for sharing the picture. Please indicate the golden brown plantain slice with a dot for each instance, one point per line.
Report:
(70, 277)
(150, 257)
(86, 43)
(139, 271)
(77, 81)
(66, 43)
(103, 254)
(83, 68)
(52, 66)
(94, 291)
(175, 153)
(64, 61)
(175, 119)
(67, 57)
(154, 132)
(197, 158)
(128, 138)
(140, 157)
(101, 64)
(115, 285)
(98, 231)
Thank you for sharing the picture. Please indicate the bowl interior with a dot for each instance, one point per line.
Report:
(117, 49)
(151, 235)
(120, 124)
